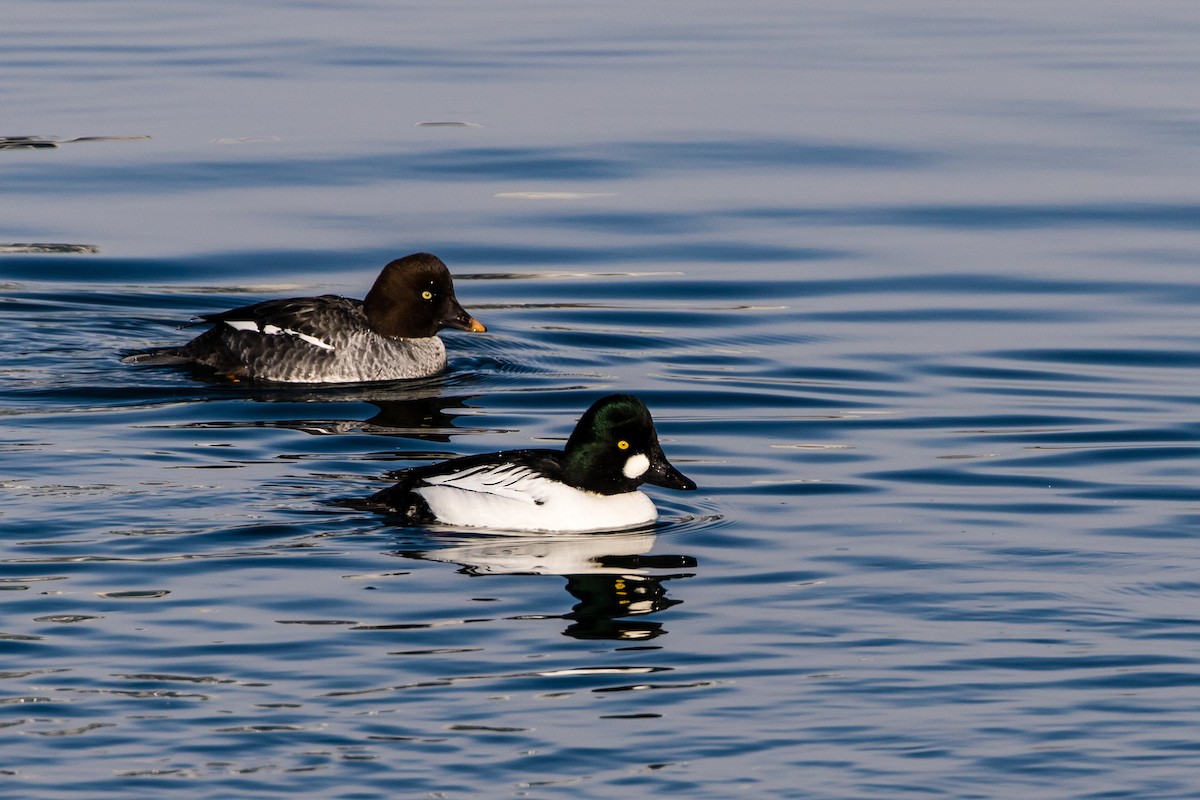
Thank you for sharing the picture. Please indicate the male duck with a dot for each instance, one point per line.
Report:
(391, 334)
(592, 485)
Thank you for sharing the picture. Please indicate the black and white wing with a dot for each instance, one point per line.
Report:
(513, 481)
(311, 320)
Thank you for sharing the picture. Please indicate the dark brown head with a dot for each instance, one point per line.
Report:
(414, 298)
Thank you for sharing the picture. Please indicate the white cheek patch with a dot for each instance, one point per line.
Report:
(635, 466)
(274, 330)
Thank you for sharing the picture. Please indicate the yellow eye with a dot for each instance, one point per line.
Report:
(622, 445)
(428, 295)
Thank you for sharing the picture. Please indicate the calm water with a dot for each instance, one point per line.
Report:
(911, 290)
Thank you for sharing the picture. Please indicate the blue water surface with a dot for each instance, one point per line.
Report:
(910, 289)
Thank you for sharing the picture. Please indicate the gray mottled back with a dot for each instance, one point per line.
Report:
(322, 340)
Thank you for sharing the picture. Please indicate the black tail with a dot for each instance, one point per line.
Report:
(157, 357)
(402, 501)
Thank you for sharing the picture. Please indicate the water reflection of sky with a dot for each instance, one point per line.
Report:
(910, 288)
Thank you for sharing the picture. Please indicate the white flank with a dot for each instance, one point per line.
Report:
(242, 324)
(515, 498)
(635, 466)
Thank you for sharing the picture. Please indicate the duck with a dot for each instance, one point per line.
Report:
(391, 334)
(591, 485)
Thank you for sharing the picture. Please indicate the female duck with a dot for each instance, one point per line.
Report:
(392, 334)
(592, 485)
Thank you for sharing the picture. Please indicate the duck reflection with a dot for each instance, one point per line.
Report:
(413, 410)
(427, 418)
(613, 577)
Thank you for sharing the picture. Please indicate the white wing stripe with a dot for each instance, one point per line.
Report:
(311, 339)
(273, 330)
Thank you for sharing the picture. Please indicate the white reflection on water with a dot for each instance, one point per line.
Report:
(550, 554)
